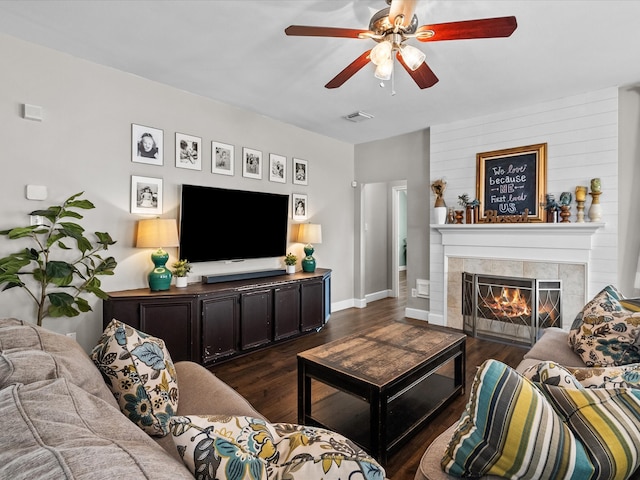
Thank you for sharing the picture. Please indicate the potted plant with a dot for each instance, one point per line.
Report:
(290, 261)
(54, 272)
(181, 270)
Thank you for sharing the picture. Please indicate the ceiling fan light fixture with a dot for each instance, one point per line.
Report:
(384, 70)
(412, 56)
(381, 52)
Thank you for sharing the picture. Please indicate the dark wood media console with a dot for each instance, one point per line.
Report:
(209, 323)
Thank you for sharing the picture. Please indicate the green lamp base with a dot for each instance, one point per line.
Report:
(160, 276)
(308, 262)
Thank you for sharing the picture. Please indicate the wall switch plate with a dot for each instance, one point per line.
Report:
(36, 220)
(414, 292)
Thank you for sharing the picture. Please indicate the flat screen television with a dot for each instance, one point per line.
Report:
(224, 224)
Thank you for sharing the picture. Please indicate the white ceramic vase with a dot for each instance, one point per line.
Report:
(181, 282)
(440, 215)
(291, 269)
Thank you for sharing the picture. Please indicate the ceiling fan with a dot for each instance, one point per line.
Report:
(391, 27)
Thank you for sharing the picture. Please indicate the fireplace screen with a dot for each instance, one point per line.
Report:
(508, 308)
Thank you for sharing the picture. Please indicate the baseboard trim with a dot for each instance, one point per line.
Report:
(417, 314)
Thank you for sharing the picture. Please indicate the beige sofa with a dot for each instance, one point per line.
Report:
(552, 346)
(60, 420)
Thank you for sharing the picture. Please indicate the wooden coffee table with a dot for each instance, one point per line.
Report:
(380, 386)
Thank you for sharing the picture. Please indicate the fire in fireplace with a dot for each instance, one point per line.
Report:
(509, 308)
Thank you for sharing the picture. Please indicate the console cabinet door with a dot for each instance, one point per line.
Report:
(171, 319)
(220, 328)
(286, 311)
(255, 318)
(312, 303)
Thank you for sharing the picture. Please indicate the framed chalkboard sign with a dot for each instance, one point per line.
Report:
(512, 180)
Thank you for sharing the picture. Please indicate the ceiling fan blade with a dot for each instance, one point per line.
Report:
(467, 29)
(349, 71)
(404, 8)
(423, 75)
(308, 31)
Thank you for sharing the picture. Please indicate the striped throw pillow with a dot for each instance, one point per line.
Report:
(606, 422)
(510, 429)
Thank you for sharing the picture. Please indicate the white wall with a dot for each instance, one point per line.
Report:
(84, 144)
(582, 136)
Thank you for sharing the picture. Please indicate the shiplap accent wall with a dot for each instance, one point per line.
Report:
(581, 133)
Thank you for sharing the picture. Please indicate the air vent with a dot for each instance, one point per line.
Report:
(358, 117)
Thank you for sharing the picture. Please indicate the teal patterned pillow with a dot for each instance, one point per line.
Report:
(239, 447)
(606, 332)
(138, 369)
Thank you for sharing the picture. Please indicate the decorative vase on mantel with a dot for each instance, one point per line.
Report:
(439, 209)
(595, 211)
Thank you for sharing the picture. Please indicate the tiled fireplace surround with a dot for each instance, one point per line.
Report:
(542, 251)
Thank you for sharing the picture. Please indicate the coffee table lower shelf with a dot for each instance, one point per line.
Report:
(350, 415)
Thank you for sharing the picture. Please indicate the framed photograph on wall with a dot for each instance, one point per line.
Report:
(146, 145)
(188, 151)
(513, 181)
(300, 172)
(251, 163)
(146, 195)
(299, 206)
(222, 158)
(277, 168)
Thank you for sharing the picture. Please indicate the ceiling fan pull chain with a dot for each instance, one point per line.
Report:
(393, 80)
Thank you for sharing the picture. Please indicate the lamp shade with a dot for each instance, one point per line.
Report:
(157, 233)
(310, 233)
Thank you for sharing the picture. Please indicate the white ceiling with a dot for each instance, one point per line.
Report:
(236, 52)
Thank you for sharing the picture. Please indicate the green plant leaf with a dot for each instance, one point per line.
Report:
(106, 266)
(60, 273)
(84, 204)
(104, 239)
(83, 305)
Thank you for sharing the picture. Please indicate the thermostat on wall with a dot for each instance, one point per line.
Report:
(36, 192)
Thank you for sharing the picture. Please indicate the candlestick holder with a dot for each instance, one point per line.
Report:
(580, 213)
(595, 211)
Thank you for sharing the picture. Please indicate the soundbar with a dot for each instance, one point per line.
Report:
(230, 277)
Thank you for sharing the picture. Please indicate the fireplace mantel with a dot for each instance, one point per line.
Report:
(551, 241)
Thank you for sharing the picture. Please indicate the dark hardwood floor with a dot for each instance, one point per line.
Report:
(268, 378)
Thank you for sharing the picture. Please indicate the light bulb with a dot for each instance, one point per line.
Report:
(384, 70)
(412, 56)
(380, 53)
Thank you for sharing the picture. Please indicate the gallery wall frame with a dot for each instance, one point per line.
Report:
(188, 151)
(147, 145)
(299, 206)
(251, 163)
(512, 180)
(300, 171)
(223, 158)
(146, 195)
(277, 168)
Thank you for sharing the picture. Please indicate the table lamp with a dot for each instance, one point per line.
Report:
(309, 233)
(158, 233)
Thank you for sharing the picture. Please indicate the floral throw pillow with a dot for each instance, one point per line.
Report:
(139, 371)
(605, 332)
(239, 447)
